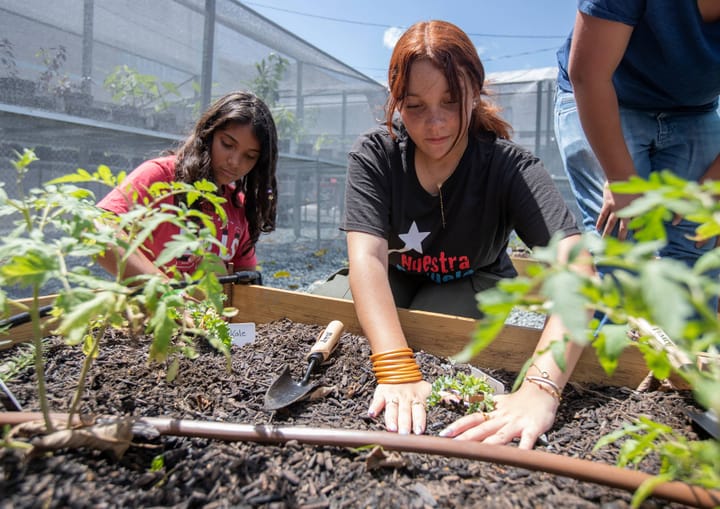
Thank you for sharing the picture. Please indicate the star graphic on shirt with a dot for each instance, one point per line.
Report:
(413, 238)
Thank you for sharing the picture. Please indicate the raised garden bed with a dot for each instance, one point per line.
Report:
(210, 473)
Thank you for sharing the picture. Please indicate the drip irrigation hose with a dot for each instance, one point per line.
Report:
(582, 470)
(243, 277)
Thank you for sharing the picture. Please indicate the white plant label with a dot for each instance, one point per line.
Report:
(242, 333)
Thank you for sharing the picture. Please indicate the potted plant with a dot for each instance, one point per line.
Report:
(133, 91)
(13, 89)
(266, 85)
(56, 90)
(52, 81)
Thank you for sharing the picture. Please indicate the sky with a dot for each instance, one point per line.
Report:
(510, 35)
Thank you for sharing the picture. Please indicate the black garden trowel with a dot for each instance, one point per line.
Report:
(284, 390)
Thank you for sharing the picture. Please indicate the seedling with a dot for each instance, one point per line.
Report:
(466, 392)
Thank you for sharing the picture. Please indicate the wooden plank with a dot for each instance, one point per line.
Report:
(279, 303)
(438, 334)
(20, 305)
(521, 263)
(23, 333)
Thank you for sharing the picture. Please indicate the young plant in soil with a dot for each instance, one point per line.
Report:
(659, 306)
(58, 233)
(465, 393)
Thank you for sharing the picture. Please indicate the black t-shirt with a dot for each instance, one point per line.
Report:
(497, 187)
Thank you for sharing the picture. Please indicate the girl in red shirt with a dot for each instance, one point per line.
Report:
(234, 145)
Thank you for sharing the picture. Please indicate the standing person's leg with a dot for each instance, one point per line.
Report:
(687, 143)
(582, 168)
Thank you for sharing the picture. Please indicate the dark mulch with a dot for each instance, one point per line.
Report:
(206, 473)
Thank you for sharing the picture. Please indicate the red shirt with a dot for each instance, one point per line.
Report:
(233, 235)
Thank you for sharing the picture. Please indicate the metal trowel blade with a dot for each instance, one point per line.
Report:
(285, 391)
(708, 422)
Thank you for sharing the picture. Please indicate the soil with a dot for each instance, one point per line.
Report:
(208, 473)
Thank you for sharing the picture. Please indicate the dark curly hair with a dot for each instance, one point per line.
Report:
(260, 185)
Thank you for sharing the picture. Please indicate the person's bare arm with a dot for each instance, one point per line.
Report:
(597, 48)
(374, 302)
(137, 263)
(376, 311)
(713, 171)
(529, 411)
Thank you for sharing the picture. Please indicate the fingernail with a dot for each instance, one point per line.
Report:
(418, 430)
(404, 431)
(392, 428)
(445, 433)
(372, 413)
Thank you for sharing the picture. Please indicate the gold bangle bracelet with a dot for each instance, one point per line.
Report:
(393, 362)
(546, 376)
(396, 371)
(400, 379)
(387, 354)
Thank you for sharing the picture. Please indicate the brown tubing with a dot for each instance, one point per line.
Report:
(583, 470)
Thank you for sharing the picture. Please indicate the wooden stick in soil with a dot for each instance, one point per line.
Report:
(582, 470)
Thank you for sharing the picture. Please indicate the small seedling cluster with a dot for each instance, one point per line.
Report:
(466, 392)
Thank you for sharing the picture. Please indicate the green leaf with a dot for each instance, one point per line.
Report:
(611, 341)
(665, 298)
(563, 289)
(173, 370)
(77, 321)
(162, 326)
(647, 487)
(656, 361)
(158, 463)
(31, 268)
(80, 175)
(708, 262)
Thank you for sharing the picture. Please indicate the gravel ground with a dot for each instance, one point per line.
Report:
(299, 263)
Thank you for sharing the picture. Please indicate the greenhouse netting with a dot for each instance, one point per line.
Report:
(89, 82)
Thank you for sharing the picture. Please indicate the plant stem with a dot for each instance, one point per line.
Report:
(40, 358)
(87, 363)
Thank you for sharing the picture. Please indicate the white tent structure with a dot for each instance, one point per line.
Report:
(527, 100)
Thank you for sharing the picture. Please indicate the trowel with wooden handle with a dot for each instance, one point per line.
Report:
(284, 390)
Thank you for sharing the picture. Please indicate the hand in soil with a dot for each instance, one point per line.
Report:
(404, 406)
(525, 414)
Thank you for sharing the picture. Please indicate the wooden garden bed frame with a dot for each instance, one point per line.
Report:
(438, 334)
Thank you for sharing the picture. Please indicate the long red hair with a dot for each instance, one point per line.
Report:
(448, 48)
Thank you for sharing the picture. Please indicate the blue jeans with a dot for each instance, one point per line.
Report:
(684, 143)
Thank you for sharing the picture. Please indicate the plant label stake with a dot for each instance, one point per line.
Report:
(658, 338)
(284, 390)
